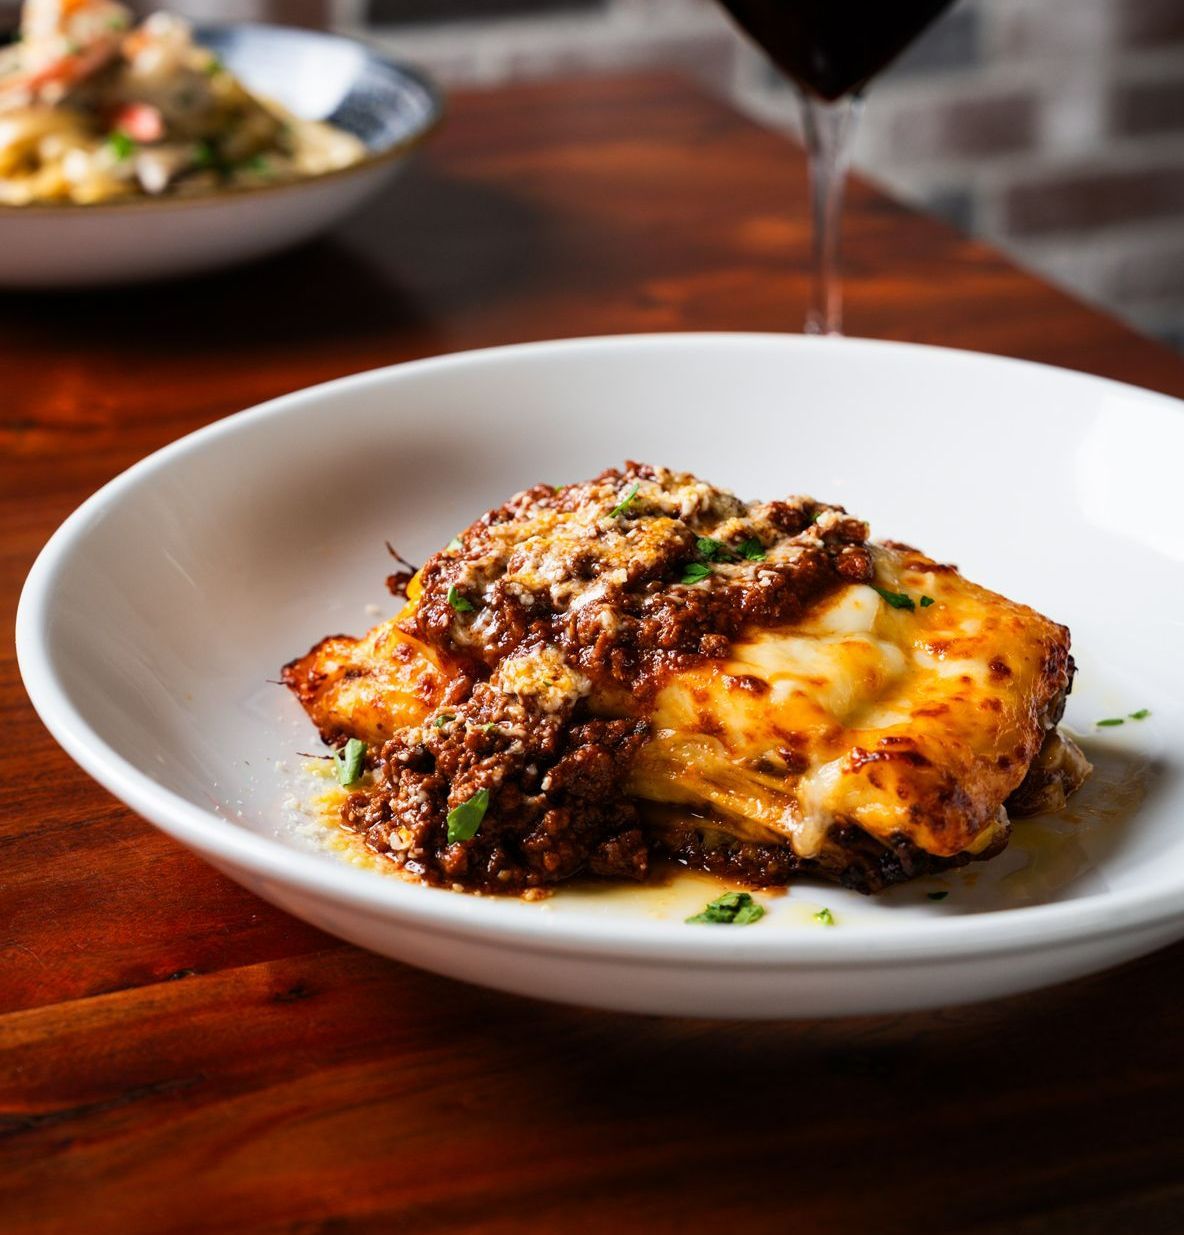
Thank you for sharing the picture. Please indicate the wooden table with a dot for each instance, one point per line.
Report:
(178, 1056)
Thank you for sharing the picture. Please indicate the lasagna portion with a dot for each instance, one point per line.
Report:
(598, 676)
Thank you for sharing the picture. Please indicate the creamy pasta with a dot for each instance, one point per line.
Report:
(94, 108)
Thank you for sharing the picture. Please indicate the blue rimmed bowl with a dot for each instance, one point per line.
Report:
(390, 107)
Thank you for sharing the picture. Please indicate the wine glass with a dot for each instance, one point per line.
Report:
(831, 49)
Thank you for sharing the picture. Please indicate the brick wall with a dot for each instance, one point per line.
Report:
(1054, 128)
(1059, 135)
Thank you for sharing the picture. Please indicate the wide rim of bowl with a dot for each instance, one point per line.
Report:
(996, 932)
(434, 118)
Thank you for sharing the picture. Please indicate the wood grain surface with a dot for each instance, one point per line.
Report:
(177, 1056)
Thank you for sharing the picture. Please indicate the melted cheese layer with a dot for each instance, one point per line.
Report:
(907, 722)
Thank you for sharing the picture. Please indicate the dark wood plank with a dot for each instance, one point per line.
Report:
(284, 1082)
(336, 1087)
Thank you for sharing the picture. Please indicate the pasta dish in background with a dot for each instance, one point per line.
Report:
(95, 108)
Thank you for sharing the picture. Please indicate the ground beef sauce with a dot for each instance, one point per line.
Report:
(606, 586)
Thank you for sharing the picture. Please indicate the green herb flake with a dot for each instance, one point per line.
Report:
(623, 505)
(454, 544)
(350, 761)
(121, 145)
(937, 896)
(731, 909)
(926, 601)
(214, 66)
(1109, 722)
(465, 819)
(696, 572)
(490, 728)
(203, 155)
(711, 550)
(260, 165)
(825, 917)
(443, 719)
(116, 23)
(458, 602)
(898, 600)
(751, 550)
(1141, 714)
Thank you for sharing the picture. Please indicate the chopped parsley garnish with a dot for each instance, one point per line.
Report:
(696, 572)
(825, 917)
(751, 549)
(937, 896)
(488, 728)
(731, 909)
(454, 543)
(458, 602)
(214, 66)
(926, 601)
(259, 164)
(465, 819)
(1110, 721)
(116, 23)
(121, 145)
(350, 761)
(898, 600)
(711, 550)
(623, 505)
(203, 155)
(443, 719)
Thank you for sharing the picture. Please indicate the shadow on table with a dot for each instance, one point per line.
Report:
(320, 290)
(432, 249)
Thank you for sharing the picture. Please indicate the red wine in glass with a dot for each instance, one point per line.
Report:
(831, 49)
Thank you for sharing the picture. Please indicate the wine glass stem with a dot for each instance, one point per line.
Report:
(829, 130)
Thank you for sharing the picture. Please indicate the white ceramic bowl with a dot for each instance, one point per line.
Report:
(317, 77)
(152, 621)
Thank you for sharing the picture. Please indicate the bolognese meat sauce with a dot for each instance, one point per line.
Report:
(611, 584)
